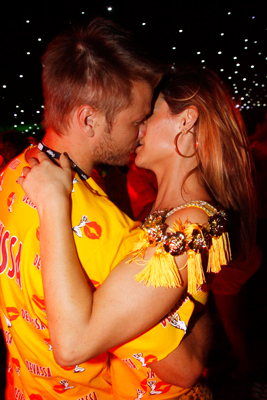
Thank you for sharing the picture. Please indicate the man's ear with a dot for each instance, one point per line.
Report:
(85, 118)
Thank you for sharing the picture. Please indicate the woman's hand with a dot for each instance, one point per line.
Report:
(46, 183)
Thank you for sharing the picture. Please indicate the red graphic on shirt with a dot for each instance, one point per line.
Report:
(92, 230)
(39, 302)
(64, 385)
(145, 360)
(95, 283)
(38, 233)
(10, 378)
(28, 201)
(75, 369)
(158, 387)
(12, 313)
(36, 397)
(1, 182)
(14, 164)
(10, 201)
(155, 387)
(48, 343)
(16, 364)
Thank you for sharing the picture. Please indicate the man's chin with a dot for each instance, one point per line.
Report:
(119, 161)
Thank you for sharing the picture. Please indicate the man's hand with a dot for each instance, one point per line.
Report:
(44, 182)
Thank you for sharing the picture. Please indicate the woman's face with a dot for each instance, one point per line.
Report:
(157, 137)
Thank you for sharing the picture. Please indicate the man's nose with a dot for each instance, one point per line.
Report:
(142, 130)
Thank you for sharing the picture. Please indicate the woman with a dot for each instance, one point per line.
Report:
(195, 143)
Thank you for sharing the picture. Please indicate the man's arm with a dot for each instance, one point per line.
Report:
(83, 324)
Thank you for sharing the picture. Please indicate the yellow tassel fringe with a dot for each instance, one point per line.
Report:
(161, 270)
(196, 275)
(219, 253)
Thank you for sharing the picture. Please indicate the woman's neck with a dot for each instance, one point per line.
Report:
(173, 191)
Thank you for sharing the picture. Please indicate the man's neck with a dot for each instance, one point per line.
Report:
(65, 143)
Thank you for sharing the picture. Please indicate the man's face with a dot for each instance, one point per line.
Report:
(114, 147)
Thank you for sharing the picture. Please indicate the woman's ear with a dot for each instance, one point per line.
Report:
(190, 117)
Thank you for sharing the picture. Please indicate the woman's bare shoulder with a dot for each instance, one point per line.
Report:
(192, 215)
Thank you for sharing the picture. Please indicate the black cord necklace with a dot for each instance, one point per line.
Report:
(52, 154)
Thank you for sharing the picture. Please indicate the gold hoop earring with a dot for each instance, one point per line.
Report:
(176, 144)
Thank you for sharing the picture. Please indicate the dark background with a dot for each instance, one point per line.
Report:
(242, 45)
(175, 32)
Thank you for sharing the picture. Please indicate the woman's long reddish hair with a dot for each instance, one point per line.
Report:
(225, 164)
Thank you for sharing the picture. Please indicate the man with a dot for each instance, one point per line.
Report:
(98, 89)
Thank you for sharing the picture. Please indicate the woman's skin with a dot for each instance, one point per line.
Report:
(121, 308)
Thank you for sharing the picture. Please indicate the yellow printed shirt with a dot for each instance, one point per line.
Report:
(103, 236)
(131, 376)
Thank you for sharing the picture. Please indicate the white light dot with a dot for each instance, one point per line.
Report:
(143, 23)
(229, 13)
(221, 69)
(245, 48)
(28, 53)
(252, 66)
(109, 8)
(198, 52)
(246, 40)
(22, 111)
(39, 39)
(28, 21)
(219, 52)
(259, 54)
(22, 123)
(236, 72)
(4, 86)
(174, 48)
(222, 34)
(238, 65)
(180, 30)
(235, 58)
(229, 77)
(21, 76)
(244, 79)
(37, 112)
(202, 61)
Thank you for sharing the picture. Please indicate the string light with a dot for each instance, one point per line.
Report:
(247, 64)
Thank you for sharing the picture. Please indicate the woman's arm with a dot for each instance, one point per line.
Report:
(83, 324)
(184, 366)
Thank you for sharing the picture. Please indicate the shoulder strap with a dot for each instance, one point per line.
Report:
(203, 205)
